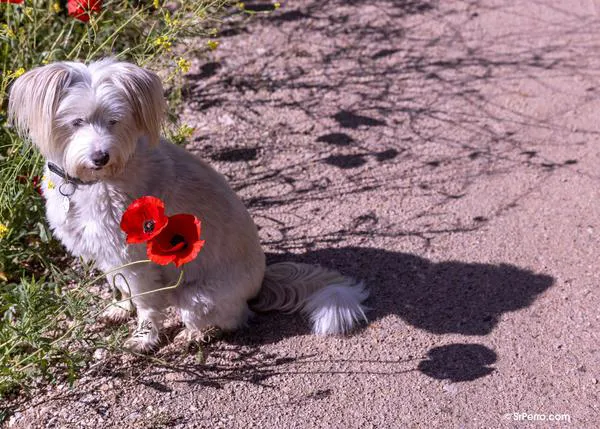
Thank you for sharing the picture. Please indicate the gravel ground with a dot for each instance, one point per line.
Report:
(444, 152)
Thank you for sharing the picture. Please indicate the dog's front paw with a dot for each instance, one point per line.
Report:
(144, 339)
(116, 314)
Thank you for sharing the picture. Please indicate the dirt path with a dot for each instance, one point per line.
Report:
(444, 152)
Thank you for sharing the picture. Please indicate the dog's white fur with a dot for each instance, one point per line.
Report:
(70, 110)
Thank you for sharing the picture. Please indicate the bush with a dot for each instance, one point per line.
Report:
(43, 309)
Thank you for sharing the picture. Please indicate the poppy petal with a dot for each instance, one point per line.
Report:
(191, 255)
(81, 9)
(179, 242)
(144, 219)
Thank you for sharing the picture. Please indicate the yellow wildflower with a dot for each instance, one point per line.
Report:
(184, 65)
(171, 22)
(241, 5)
(186, 131)
(156, 4)
(28, 10)
(212, 44)
(276, 5)
(49, 183)
(3, 231)
(56, 7)
(18, 72)
(163, 42)
(8, 31)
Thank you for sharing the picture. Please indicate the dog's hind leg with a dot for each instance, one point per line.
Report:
(204, 323)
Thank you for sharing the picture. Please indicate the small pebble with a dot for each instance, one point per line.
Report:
(100, 354)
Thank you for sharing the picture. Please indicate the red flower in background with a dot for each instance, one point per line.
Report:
(37, 184)
(82, 9)
(35, 180)
(12, 1)
(144, 219)
(179, 242)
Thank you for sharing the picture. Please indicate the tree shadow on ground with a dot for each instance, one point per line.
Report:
(369, 99)
(335, 99)
(387, 98)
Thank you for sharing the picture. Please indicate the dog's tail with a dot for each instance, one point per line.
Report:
(332, 302)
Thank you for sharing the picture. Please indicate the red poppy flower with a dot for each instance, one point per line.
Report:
(12, 1)
(144, 219)
(179, 242)
(81, 9)
(37, 184)
(35, 180)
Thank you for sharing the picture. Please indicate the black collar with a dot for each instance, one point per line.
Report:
(74, 181)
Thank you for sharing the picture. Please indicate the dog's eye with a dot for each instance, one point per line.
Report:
(112, 122)
(77, 122)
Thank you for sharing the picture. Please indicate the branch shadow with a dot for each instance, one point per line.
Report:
(379, 96)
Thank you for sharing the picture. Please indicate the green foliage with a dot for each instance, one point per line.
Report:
(43, 313)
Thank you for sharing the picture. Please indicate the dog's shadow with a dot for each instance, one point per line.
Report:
(442, 298)
(438, 297)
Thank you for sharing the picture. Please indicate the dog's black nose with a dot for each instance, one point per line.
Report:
(100, 158)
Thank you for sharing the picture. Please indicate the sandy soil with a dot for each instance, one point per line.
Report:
(444, 152)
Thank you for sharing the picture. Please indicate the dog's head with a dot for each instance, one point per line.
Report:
(88, 119)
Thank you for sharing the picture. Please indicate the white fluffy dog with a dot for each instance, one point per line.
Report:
(98, 126)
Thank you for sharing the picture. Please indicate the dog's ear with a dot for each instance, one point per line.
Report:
(144, 93)
(33, 102)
